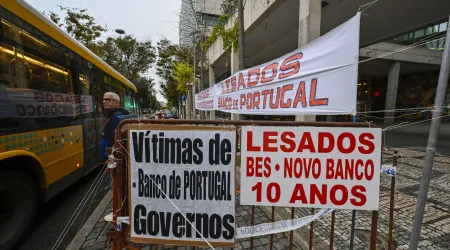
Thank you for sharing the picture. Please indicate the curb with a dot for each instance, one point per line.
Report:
(79, 239)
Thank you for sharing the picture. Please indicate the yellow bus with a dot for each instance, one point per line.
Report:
(51, 113)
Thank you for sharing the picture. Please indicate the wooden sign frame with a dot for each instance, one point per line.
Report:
(201, 243)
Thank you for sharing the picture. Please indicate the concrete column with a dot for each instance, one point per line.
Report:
(234, 68)
(309, 19)
(391, 93)
(212, 115)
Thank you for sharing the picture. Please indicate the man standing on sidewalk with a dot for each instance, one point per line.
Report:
(111, 102)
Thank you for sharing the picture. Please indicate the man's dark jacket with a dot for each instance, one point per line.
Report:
(109, 131)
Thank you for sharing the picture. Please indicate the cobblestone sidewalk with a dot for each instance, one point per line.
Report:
(96, 238)
(435, 232)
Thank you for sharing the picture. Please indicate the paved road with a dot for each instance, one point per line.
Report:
(55, 215)
(416, 137)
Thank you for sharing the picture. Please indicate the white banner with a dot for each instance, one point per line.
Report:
(279, 226)
(319, 78)
(182, 185)
(316, 167)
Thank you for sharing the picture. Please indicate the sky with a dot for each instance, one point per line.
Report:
(144, 19)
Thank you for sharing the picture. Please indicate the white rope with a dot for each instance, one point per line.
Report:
(89, 207)
(394, 117)
(409, 124)
(79, 208)
(400, 50)
(416, 148)
(79, 211)
(439, 154)
(421, 42)
(101, 233)
(398, 110)
(121, 206)
(370, 4)
(170, 200)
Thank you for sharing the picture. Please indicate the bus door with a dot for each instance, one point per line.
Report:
(87, 107)
(97, 79)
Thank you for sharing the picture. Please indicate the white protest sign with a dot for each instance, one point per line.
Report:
(319, 78)
(182, 185)
(321, 167)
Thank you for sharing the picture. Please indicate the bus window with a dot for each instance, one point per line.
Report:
(84, 84)
(113, 85)
(34, 43)
(7, 65)
(10, 31)
(86, 95)
(46, 76)
(42, 74)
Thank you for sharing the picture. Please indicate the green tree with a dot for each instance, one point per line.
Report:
(129, 56)
(154, 103)
(132, 58)
(79, 25)
(183, 74)
(168, 56)
(144, 86)
(228, 6)
(126, 54)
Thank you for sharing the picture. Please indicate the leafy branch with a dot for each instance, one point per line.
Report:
(229, 36)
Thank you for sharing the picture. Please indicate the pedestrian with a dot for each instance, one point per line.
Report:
(111, 103)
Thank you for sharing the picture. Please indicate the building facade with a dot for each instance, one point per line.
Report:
(400, 56)
(197, 17)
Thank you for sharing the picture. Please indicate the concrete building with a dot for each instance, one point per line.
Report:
(197, 16)
(406, 78)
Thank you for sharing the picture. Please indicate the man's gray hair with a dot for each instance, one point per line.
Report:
(113, 95)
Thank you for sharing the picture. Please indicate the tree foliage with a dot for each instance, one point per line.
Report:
(132, 58)
(78, 24)
(146, 93)
(129, 56)
(228, 6)
(183, 74)
(169, 55)
(154, 103)
(229, 36)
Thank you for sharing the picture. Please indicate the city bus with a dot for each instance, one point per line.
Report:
(51, 113)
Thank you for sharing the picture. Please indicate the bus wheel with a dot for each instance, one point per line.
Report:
(18, 207)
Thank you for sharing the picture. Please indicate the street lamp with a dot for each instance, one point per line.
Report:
(120, 32)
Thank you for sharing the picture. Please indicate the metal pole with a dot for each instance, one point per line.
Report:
(253, 223)
(200, 84)
(311, 232)
(373, 231)
(352, 232)
(391, 205)
(241, 34)
(273, 220)
(333, 215)
(352, 228)
(432, 141)
(193, 87)
(291, 234)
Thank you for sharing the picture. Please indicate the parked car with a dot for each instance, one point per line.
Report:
(170, 115)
